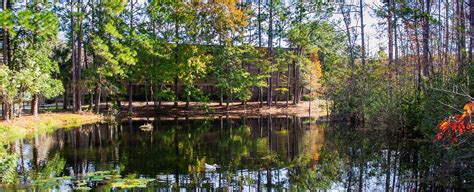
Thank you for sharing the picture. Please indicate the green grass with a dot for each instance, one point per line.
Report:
(46, 123)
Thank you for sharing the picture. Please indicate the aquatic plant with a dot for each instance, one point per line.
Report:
(131, 181)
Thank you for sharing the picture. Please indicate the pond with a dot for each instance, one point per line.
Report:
(272, 153)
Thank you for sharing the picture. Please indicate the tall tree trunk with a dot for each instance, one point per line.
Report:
(426, 35)
(5, 37)
(270, 49)
(97, 90)
(65, 96)
(471, 30)
(362, 34)
(296, 86)
(34, 105)
(73, 57)
(260, 91)
(227, 102)
(146, 93)
(21, 105)
(79, 62)
(176, 91)
(395, 39)
(461, 44)
(295, 92)
(97, 93)
(130, 85)
(188, 98)
(5, 111)
(176, 58)
(118, 102)
(418, 61)
(130, 98)
(159, 101)
(152, 94)
(350, 46)
(446, 35)
(439, 42)
(462, 28)
(364, 68)
(288, 82)
(91, 101)
(259, 19)
(11, 109)
(221, 97)
(106, 99)
(5, 61)
(277, 85)
(390, 38)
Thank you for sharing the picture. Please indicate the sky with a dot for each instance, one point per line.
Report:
(374, 36)
(372, 27)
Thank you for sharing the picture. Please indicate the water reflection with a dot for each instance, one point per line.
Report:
(380, 159)
(254, 153)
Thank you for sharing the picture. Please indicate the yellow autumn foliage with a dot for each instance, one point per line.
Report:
(315, 69)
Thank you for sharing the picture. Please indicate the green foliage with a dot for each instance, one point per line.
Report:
(318, 39)
(114, 53)
(231, 77)
(101, 176)
(374, 97)
(165, 95)
(131, 181)
(192, 93)
(367, 96)
(8, 84)
(34, 36)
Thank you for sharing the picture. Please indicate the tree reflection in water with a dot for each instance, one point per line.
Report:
(255, 153)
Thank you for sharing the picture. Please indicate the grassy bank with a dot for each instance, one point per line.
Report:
(47, 122)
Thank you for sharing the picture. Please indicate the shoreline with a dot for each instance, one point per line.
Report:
(28, 125)
(142, 110)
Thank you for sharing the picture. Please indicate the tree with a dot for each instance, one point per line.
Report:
(362, 34)
(34, 34)
(131, 44)
(270, 49)
(426, 35)
(192, 65)
(5, 54)
(74, 82)
(231, 78)
(8, 89)
(112, 55)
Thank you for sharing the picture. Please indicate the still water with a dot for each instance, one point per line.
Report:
(260, 153)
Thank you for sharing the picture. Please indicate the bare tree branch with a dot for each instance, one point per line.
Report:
(452, 92)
